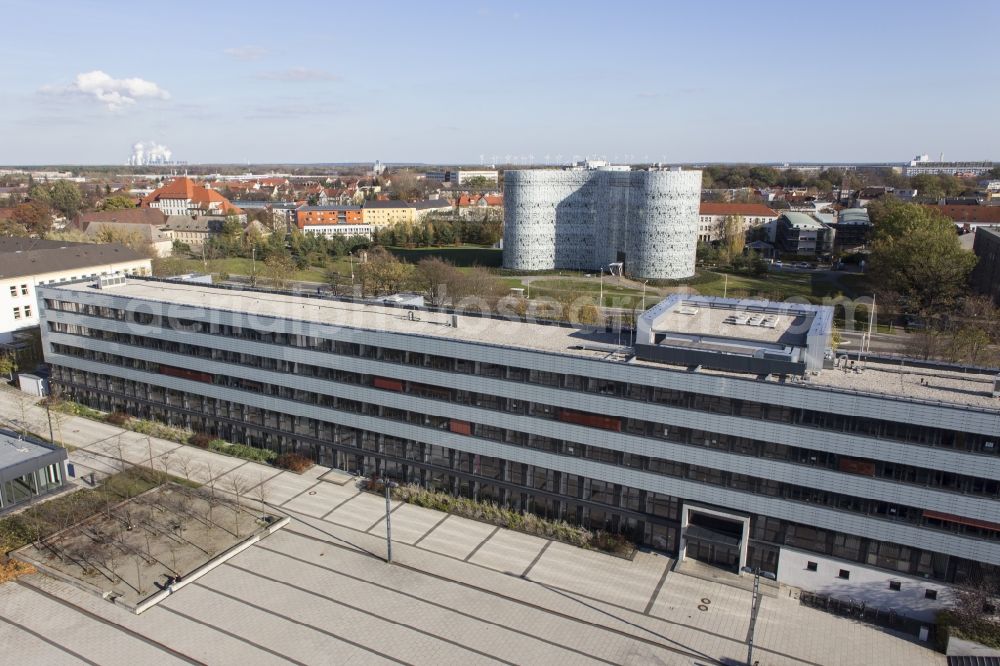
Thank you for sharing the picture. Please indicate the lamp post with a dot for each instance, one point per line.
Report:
(389, 485)
(754, 605)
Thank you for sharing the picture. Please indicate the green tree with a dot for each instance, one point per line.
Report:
(734, 238)
(117, 202)
(8, 365)
(382, 273)
(66, 198)
(916, 253)
(279, 268)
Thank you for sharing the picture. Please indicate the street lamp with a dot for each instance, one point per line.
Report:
(754, 605)
(389, 485)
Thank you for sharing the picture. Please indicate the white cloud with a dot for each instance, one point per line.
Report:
(115, 93)
(246, 52)
(298, 74)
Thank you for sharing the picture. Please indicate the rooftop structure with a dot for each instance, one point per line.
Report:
(22, 257)
(28, 469)
(757, 337)
(152, 216)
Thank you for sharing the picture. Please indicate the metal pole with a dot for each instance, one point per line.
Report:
(52, 437)
(388, 525)
(753, 616)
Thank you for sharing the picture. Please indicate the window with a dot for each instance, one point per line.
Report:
(24, 290)
(13, 290)
(811, 566)
(895, 585)
(17, 313)
(27, 311)
(845, 574)
(930, 594)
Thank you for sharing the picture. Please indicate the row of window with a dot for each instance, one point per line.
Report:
(731, 480)
(14, 290)
(519, 485)
(698, 438)
(26, 310)
(842, 423)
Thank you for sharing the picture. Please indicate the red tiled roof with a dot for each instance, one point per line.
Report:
(745, 209)
(494, 200)
(185, 188)
(969, 214)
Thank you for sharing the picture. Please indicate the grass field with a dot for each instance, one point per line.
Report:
(780, 286)
(461, 255)
(813, 286)
(242, 266)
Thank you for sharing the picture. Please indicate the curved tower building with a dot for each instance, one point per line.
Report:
(585, 219)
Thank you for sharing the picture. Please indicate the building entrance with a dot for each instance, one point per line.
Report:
(715, 539)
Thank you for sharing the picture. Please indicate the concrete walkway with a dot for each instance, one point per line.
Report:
(459, 591)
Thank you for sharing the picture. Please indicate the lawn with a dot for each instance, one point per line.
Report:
(243, 266)
(780, 286)
(461, 255)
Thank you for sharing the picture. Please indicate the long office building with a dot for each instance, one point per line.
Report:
(725, 431)
(588, 218)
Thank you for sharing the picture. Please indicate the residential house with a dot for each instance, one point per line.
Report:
(712, 218)
(388, 213)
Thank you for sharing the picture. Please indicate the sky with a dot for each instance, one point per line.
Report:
(479, 82)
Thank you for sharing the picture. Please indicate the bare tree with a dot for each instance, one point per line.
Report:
(238, 485)
(262, 492)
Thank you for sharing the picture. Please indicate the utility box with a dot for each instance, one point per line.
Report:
(33, 384)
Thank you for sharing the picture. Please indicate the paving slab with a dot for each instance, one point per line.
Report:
(509, 551)
(360, 512)
(457, 537)
(285, 486)
(319, 498)
(84, 635)
(410, 523)
(622, 582)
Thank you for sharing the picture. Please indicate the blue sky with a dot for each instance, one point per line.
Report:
(465, 82)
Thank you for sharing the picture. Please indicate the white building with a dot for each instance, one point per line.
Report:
(712, 218)
(343, 230)
(26, 263)
(584, 219)
(463, 176)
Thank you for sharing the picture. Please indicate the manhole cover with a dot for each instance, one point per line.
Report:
(312, 492)
(706, 601)
(702, 607)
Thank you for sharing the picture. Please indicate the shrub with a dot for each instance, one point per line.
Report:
(200, 440)
(294, 462)
(242, 451)
(119, 419)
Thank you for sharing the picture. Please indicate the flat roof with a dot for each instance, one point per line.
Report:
(971, 388)
(20, 456)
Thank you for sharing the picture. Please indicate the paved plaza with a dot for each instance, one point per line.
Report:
(458, 592)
